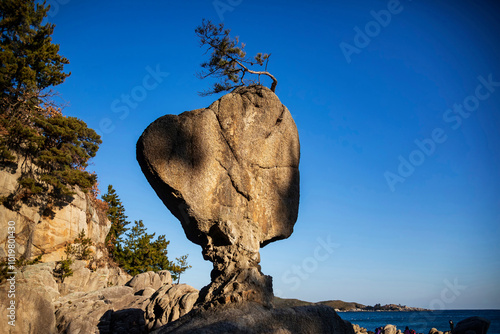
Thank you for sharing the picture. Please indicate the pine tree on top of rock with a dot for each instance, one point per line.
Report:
(228, 60)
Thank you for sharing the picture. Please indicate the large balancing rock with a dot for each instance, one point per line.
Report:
(230, 174)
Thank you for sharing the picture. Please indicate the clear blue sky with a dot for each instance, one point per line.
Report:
(397, 106)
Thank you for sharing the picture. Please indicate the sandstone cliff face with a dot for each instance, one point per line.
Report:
(230, 174)
(37, 235)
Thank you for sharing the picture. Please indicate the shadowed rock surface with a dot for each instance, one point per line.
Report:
(477, 325)
(94, 312)
(169, 303)
(252, 318)
(230, 174)
(123, 309)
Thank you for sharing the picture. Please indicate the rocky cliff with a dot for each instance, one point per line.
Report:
(47, 236)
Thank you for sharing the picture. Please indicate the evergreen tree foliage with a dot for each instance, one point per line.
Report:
(118, 219)
(30, 61)
(80, 249)
(63, 269)
(180, 267)
(137, 251)
(53, 149)
(140, 253)
(228, 60)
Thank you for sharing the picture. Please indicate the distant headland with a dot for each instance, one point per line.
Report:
(341, 306)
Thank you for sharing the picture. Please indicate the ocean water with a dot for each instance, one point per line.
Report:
(421, 322)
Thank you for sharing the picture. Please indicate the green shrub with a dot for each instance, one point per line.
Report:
(63, 269)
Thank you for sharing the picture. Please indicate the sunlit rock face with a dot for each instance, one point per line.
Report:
(230, 174)
(48, 235)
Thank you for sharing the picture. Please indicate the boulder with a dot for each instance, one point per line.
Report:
(86, 280)
(358, 329)
(169, 303)
(390, 329)
(110, 310)
(147, 292)
(125, 309)
(115, 276)
(477, 325)
(435, 331)
(253, 318)
(230, 174)
(150, 279)
(33, 291)
(40, 275)
(34, 310)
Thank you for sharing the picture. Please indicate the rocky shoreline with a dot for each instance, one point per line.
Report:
(107, 300)
(469, 325)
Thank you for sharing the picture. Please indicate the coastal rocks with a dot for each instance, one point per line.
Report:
(110, 310)
(477, 325)
(34, 310)
(435, 331)
(472, 325)
(126, 309)
(48, 236)
(85, 280)
(390, 329)
(151, 280)
(230, 174)
(35, 290)
(358, 329)
(169, 303)
(40, 276)
(118, 309)
(253, 318)
(37, 293)
(46, 306)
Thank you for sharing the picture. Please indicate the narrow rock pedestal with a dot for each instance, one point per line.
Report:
(236, 277)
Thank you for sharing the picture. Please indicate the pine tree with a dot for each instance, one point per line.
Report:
(137, 251)
(118, 219)
(228, 60)
(80, 249)
(30, 61)
(32, 128)
(180, 267)
(141, 254)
